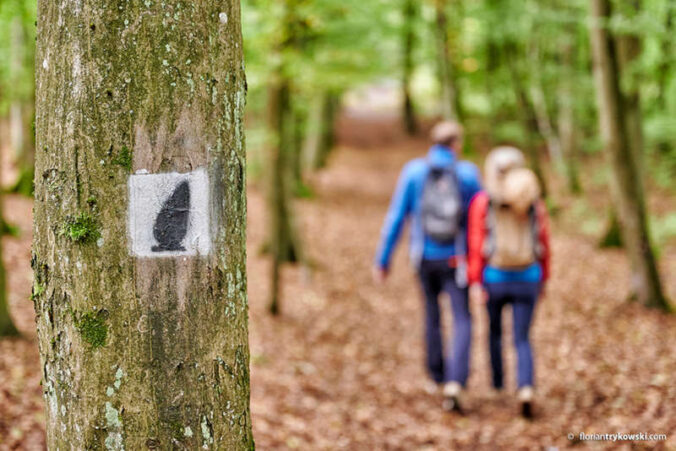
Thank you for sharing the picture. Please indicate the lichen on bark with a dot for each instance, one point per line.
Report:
(128, 345)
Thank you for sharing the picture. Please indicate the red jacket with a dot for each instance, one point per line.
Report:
(477, 231)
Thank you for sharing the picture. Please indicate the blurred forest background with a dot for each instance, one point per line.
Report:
(340, 95)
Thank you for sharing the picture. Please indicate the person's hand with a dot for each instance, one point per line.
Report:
(379, 274)
(477, 294)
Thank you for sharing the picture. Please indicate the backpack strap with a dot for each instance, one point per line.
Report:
(538, 249)
(489, 242)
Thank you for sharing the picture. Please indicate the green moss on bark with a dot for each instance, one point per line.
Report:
(93, 329)
(83, 228)
(124, 158)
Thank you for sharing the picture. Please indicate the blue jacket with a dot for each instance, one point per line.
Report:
(406, 203)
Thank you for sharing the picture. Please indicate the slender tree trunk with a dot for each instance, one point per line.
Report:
(567, 122)
(626, 187)
(527, 112)
(320, 138)
(665, 68)
(409, 13)
(143, 340)
(545, 125)
(24, 146)
(284, 242)
(628, 48)
(280, 125)
(22, 109)
(449, 100)
(628, 51)
(7, 327)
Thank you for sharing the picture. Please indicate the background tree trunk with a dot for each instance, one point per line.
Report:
(284, 243)
(6, 324)
(320, 138)
(527, 112)
(449, 99)
(139, 353)
(567, 124)
(408, 43)
(626, 186)
(22, 111)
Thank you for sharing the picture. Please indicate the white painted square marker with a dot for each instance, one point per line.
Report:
(169, 214)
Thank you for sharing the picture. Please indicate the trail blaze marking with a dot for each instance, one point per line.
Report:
(169, 214)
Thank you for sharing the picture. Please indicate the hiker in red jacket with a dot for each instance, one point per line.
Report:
(508, 260)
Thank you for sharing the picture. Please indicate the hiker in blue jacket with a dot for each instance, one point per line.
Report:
(435, 193)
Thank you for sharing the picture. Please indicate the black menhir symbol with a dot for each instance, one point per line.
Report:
(171, 225)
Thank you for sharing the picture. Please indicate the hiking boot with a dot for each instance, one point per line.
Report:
(451, 402)
(525, 396)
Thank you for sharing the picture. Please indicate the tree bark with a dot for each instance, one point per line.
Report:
(22, 108)
(408, 43)
(319, 139)
(527, 112)
(7, 328)
(283, 239)
(567, 123)
(140, 352)
(284, 242)
(628, 52)
(449, 101)
(626, 187)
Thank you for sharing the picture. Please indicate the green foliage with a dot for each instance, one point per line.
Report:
(664, 229)
(93, 329)
(83, 228)
(17, 50)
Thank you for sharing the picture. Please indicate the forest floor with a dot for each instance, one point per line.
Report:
(342, 367)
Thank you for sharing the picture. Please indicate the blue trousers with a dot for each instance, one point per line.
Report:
(523, 297)
(436, 277)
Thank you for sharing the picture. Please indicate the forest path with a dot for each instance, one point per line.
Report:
(342, 368)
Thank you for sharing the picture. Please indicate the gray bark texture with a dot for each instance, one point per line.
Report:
(139, 353)
(626, 181)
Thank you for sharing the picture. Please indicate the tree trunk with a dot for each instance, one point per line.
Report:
(22, 109)
(628, 51)
(665, 67)
(626, 187)
(567, 122)
(527, 112)
(143, 346)
(449, 100)
(409, 13)
(6, 325)
(544, 122)
(22, 116)
(284, 243)
(319, 139)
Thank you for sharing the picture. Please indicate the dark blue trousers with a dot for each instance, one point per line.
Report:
(436, 277)
(523, 297)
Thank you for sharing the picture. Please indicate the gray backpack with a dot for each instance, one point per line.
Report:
(441, 205)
